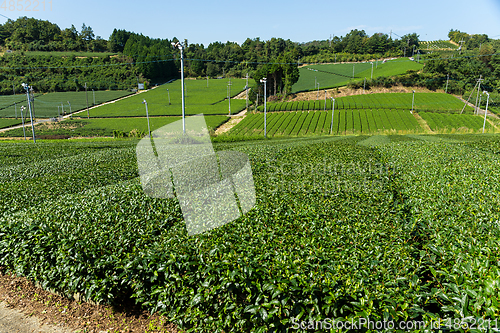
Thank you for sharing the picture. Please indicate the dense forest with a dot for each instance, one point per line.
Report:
(127, 58)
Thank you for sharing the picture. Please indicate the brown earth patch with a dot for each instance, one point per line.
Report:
(345, 91)
(21, 294)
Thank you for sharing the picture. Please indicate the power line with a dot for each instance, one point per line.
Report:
(221, 61)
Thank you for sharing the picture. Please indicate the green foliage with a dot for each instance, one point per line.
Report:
(9, 122)
(436, 102)
(65, 73)
(30, 34)
(108, 127)
(53, 104)
(394, 228)
(335, 75)
(346, 121)
(281, 75)
(442, 121)
(198, 99)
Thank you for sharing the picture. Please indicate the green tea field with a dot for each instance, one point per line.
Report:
(318, 122)
(200, 98)
(53, 104)
(9, 122)
(105, 127)
(436, 102)
(364, 114)
(336, 75)
(397, 227)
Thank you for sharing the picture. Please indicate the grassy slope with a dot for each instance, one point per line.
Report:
(199, 99)
(335, 75)
(9, 122)
(46, 105)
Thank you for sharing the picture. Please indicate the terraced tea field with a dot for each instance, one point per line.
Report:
(9, 122)
(438, 45)
(436, 102)
(199, 99)
(104, 127)
(362, 114)
(336, 75)
(51, 104)
(319, 122)
(440, 121)
(395, 227)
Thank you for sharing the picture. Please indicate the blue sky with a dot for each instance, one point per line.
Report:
(201, 21)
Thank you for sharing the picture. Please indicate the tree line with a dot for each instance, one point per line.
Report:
(134, 58)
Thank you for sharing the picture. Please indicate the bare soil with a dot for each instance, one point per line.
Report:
(344, 91)
(25, 307)
(235, 119)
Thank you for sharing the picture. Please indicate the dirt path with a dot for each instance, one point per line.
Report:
(422, 123)
(235, 119)
(24, 308)
(14, 321)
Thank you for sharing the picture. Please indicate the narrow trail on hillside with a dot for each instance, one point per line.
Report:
(235, 119)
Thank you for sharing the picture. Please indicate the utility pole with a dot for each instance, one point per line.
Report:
(371, 78)
(447, 78)
(93, 94)
(333, 112)
(25, 86)
(179, 45)
(87, 97)
(478, 90)
(486, 111)
(412, 101)
(317, 94)
(246, 90)
(471, 93)
(22, 121)
(461, 44)
(324, 109)
(229, 95)
(32, 96)
(147, 116)
(264, 80)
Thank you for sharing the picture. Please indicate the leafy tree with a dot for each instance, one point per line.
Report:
(280, 75)
(117, 40)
